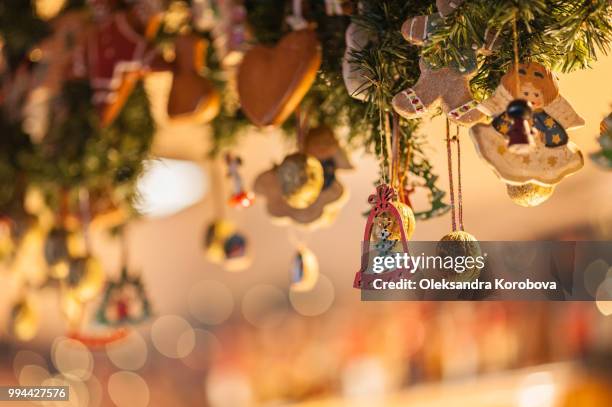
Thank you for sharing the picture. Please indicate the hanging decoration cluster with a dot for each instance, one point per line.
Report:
(76, 120)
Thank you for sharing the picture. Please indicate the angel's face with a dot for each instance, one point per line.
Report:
(532, 94)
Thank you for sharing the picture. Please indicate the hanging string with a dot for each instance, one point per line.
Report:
(395, 182)
(450, 175)
(124, 251)
(459, 189)
(517, 87)
(387, 145)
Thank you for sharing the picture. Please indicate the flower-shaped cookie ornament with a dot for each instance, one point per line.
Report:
(304, 188)
(527, 141)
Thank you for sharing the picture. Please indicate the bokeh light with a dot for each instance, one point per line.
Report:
(316, 301)
(228, 387)
(210, 302)
(32, 375)
(26, 357)
(206, 348)
(72, 358)
(130, 353)
(172, 336)
(127, 389)
(262, 300)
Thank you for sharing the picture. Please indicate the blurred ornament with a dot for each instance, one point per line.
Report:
(225, 245)
(240, 197)
(125, 301)
(603, 158)
(338, 7)
(273, 81)
(85, 278)
(305, 270)
(192, 97)
(548, 156)
(176, 17)
(116, 55)
(24, 320)
(318, 144)
(7, 244)
(529, 194)
(71, 307)
(300, 177)
(231, 32)
(386, 206)
(56, 246)
(460, 244)
(47, 9)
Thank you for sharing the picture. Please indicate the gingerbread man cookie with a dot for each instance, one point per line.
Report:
(447, 87)
(547, 157)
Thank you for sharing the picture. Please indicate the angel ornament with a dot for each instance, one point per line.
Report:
(526, 144)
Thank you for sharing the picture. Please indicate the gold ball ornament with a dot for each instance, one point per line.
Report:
(459, 244)
(300, 177)
(25, 320)
(529, 195)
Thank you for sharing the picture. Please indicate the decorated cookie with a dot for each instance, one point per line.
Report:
(547, 156)
(320, 144)
(444, 86)
(273, 81)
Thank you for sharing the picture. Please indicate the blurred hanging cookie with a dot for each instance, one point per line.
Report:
(603, 158)
(527, 141)
(273, 81)
(304, 188)
(192, 97)
(445, 86)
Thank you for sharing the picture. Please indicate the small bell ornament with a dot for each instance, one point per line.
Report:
(240, 197)
(519, 134)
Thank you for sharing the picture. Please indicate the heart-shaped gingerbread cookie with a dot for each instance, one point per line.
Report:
(273, 81)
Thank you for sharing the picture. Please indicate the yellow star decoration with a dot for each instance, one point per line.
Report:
(556, 138)
(501, 150)
(503, 128)
(552, 161)
(549, 122)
